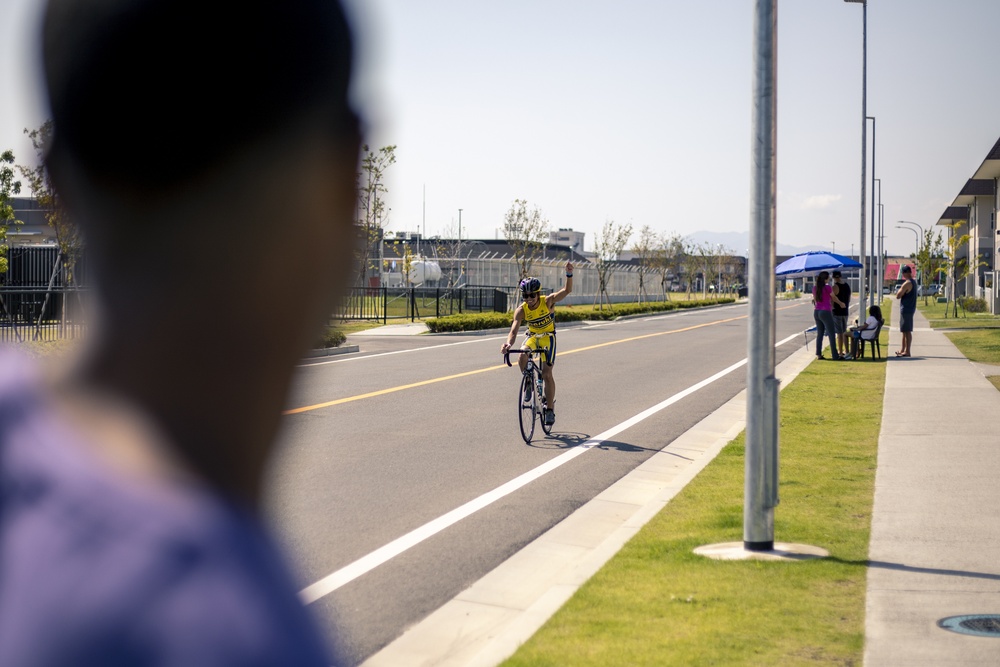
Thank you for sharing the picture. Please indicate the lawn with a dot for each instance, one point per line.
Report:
(941, 316)
(657, 603)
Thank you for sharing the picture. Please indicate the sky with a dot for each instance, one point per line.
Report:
(640, 112)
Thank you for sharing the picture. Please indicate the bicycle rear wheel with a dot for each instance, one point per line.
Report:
(526, 409)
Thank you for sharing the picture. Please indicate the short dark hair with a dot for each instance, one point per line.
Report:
(836, 274)
(907, 269)
(147, 94)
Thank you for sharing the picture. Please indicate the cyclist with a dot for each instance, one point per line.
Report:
(539, 313)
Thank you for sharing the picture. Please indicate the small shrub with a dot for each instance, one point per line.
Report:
(331, 338)
(479, 321)
(470, 322)
(972, 305)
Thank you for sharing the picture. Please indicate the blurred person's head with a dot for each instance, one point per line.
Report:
(209, 157)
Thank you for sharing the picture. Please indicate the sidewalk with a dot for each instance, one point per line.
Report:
(935, 536)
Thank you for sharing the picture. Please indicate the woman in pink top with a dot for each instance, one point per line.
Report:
(823, 300)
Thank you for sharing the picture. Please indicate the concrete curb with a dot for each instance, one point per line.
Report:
(331, 351)
(487, 622)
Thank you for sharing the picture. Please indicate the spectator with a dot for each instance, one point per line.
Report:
(823, 301)
(867, 330)
(129, 527)
(843, 293)
(907, 296)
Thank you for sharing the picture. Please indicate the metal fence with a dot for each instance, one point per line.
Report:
(412, 303)
(40, 314)
(489, 269)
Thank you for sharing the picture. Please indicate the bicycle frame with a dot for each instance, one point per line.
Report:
(532, 377)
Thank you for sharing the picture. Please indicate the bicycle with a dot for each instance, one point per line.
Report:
(530, 395)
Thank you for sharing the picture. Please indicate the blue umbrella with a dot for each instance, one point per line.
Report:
(815, 261)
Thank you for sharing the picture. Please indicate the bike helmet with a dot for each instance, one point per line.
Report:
(530, 286)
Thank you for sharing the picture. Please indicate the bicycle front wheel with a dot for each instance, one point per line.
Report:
(526, 402)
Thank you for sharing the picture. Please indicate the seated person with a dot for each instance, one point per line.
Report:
(867, 330)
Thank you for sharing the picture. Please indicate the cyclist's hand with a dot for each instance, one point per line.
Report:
(504, 348)
(569, 267)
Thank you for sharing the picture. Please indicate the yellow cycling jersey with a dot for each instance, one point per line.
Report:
(540, 319)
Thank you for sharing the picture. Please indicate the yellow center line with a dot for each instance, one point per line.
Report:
(423, 383)
(382, 392)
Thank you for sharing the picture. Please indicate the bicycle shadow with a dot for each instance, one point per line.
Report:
(569, 440)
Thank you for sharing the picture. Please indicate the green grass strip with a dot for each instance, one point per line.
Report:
(941, 316)
(657, 603)
(981, 346)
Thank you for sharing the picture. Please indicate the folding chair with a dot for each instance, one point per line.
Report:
(876, 346)
(805, 334)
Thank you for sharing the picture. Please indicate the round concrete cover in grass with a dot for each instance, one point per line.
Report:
(781, 551)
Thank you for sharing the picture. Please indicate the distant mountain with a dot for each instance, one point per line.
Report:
(740, 242)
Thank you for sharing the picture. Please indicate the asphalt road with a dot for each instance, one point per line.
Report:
(384, 442)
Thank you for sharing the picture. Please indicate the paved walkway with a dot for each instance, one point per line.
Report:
(935, 542)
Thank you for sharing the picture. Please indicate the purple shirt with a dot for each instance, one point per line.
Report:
(99, 569)
(824, 302)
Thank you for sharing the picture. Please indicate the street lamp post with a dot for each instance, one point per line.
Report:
(864, 136)
(920, 236)
(881, 240)
(871, 264)
(876, 222)
(916, 240)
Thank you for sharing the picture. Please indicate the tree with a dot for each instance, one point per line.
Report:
(957, 267)
(608, 247)
(667, 259)
(526, 232)
(645, 250)
(690, 261)
(8, 188)
(68, 235)
(929, 258)
(371, 205)
(704, 253)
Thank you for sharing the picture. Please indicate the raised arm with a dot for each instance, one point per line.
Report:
(562, 293)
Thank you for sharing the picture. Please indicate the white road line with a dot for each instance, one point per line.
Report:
(365, 564)
(477, 339)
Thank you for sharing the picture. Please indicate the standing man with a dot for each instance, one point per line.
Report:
(841, 304)
(539, 313)
(907, 296)
(130, 527)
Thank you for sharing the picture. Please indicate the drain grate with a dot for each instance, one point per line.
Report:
(980, 625)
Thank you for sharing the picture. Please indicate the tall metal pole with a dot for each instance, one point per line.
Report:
(877, 275)
(761, 478)
(864, 141)
(881, 242)
(871, 264)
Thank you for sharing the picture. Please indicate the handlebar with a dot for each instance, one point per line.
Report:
(506, 355)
